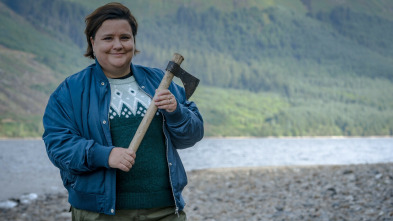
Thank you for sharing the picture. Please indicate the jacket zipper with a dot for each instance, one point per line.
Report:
(110, 140)
(168, 164)
(107, 117)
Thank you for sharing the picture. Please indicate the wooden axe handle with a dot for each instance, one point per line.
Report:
(151, 111)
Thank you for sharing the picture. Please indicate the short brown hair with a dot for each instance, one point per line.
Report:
(109, 11)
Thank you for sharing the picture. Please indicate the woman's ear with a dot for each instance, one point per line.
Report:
(92, 41)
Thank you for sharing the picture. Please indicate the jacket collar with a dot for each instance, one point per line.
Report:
(139, 76)
(99, 73)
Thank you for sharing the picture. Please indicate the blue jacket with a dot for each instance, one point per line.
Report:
(78, 139)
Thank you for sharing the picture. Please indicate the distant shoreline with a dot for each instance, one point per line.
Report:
(299, 137)
(238, 137)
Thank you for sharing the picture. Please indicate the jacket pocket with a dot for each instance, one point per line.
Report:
(90, 183)
(67, 178)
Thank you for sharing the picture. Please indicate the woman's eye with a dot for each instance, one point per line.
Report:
(125, 37)
(107, 38)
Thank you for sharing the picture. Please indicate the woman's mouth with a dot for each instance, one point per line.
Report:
(117, 54)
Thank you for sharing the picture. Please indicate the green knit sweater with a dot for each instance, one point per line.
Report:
(146, 185)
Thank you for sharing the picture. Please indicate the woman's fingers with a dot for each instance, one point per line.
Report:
(165, 100)
(121, 158)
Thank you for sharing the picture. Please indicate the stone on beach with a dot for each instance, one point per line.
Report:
(350, 192)
(354, 192)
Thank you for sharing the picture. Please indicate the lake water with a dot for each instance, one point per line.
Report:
(25, 167)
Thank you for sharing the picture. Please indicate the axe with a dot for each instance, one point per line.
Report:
(190, 84)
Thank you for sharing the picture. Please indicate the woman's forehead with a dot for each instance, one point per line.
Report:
(115, 26)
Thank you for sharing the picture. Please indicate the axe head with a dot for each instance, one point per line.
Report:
(190, 82)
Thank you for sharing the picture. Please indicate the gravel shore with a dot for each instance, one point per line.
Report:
(351, 192)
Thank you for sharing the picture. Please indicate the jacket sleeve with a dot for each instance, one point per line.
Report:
(185, 124)
(65, 146)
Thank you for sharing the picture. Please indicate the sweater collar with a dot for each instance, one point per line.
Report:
(140, 77)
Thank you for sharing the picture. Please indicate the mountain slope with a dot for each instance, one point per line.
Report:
(24, 89)
(267, 68)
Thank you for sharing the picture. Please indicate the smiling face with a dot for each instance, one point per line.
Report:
(114, 47)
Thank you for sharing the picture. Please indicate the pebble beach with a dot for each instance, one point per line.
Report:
(349, 192)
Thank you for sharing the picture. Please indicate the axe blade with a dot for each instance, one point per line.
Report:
(190, 82)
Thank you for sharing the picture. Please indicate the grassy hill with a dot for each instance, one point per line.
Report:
(267, 68)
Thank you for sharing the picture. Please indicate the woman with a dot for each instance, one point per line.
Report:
(92, 116)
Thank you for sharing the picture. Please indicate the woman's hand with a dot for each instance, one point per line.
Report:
(121, 158)
(165, 100)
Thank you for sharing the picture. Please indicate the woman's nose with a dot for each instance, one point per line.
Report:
(117, 43)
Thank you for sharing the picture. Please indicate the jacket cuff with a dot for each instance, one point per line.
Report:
(99, 156)
(176, 116)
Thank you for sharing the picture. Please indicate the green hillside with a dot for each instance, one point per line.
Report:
(267, 68)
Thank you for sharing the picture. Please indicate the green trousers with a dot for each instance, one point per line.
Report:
(165, 214)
